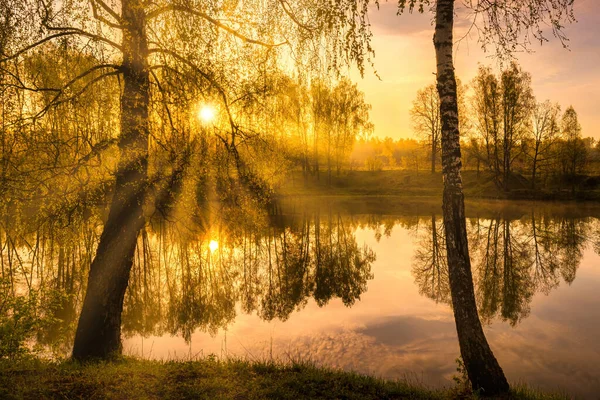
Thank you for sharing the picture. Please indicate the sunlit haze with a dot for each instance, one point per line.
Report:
(262, 191)
(207, 114)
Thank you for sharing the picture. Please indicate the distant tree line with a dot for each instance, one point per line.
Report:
(507, 135)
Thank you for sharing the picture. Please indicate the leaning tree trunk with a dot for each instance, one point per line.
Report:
(99, 330)
(482, 367)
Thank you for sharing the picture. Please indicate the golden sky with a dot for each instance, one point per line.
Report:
(405, 61)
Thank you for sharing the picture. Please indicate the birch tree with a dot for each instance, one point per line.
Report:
(426, 119)
(486, 102)
(506, 25)
(574, 149)
(517, 102)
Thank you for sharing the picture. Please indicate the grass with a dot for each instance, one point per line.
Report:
(393, 182)
(424, 184)
(209, 378)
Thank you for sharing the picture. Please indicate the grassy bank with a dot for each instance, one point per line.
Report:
(425, 184)
(208, 379)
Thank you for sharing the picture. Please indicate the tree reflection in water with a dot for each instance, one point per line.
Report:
(269, 264)
(512, 260)
(430, 267)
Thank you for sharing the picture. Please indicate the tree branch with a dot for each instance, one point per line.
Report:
(206, 76)
(55, 101)
(162, 92)
(237, 34)
(109, 10)
(288, 12)
(64, 32)
(81, 32)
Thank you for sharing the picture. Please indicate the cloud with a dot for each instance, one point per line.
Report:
(423, 353)
(385, 21)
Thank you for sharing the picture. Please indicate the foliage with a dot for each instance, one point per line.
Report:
(462, 385)
(18, 323)
(24, 319)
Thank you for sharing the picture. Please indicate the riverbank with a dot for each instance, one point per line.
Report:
(210, 379)
(424, 184)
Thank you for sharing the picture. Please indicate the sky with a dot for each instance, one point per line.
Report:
(405, 61)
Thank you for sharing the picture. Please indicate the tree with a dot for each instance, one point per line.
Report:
(574, 149)
(502, 26)
(488, 119)
(545, 132)
(517, 99)
(340, 115)
(170, 50)
(425, 114)
(502, 108)
(482, 367)
(350, 119)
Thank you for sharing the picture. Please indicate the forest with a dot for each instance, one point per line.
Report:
(166, 172)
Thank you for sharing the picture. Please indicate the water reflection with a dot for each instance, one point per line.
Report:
(302, 263)
(271, 270)
(430, 268)
(187, 278)
(512, 258)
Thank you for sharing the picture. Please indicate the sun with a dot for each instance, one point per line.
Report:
(213, 245)
(207, 114)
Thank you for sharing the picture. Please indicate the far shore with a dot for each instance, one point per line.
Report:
(424, 184)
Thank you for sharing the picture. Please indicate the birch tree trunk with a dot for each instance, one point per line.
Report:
(482, 367)
(98, 333)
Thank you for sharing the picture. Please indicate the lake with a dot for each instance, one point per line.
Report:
(352, 283)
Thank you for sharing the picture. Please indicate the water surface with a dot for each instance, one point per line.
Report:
(537, 280)
(357, 284)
